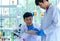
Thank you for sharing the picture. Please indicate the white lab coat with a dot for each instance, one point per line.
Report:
(51, 24)
(29, 37)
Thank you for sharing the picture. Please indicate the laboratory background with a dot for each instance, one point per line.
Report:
(11, 16)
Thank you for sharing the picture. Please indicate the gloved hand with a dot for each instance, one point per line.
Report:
(41, 33)
(32, 28)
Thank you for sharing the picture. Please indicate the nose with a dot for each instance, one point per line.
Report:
(29, 21)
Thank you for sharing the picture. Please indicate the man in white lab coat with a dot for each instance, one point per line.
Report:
(50, 24)
(29, 30)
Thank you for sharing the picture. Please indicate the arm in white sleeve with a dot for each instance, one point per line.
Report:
(55, 23)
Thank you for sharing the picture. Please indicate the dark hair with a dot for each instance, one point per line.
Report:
(37, 1)
(27, 14)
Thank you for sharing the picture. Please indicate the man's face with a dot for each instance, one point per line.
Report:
(28, 20)
(43, 5)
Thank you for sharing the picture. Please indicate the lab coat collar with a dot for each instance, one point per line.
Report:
(49, 7)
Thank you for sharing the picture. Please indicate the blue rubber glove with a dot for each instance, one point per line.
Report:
(41, 33)
(34, 29)
(30, 27)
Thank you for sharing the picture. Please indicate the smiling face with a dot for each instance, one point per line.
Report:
(28, 20)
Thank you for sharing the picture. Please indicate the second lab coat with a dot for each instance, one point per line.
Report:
(51, 24)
